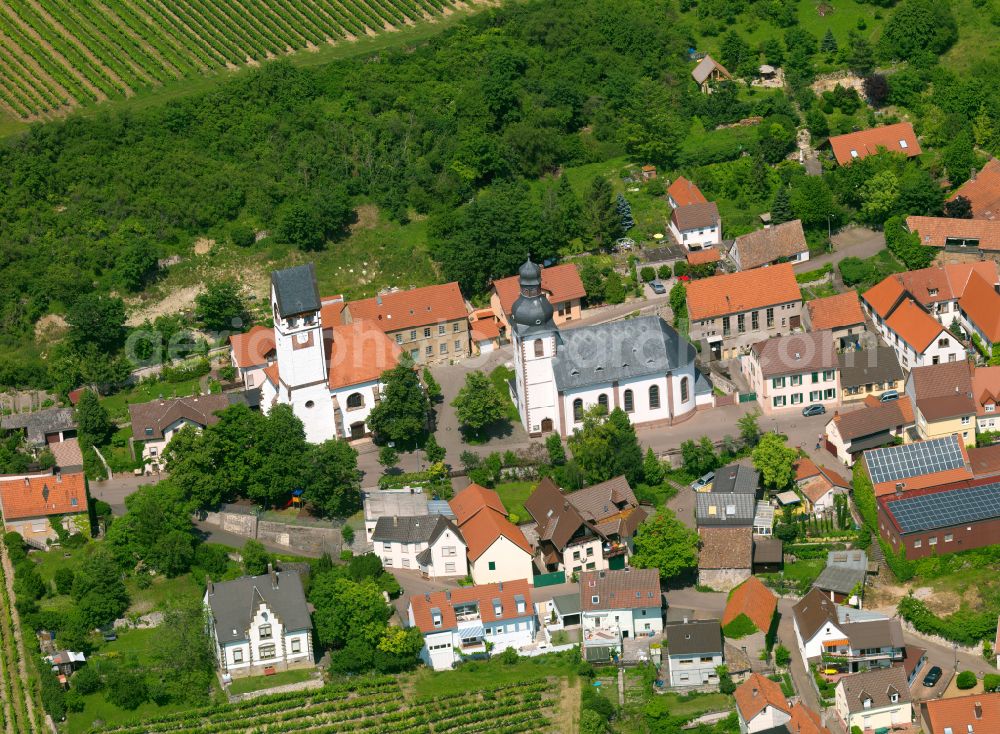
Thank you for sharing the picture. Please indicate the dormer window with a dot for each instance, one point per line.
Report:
(932, 291)
(894, 697)
(866, 703)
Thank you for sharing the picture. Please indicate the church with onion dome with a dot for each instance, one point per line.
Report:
(641, 365)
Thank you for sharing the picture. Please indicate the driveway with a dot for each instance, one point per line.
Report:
(115, 490)
(852, 242)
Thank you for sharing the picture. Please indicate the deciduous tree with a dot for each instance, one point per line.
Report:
(478, 404)
(332, 479)
(92, 420)
(222, 307)
(401, 415)
(606, 446)
(773, 458)
(665, 543)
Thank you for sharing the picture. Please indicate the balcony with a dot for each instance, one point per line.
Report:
(467, 615)
(611, 550)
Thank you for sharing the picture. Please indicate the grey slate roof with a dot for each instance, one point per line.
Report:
(732, 509)
(37, 424)
(424, 557)
(737, 478)
(412, 529)
(697, 636)
(839, 579)
(877, 685)
(234, 603)
(619, 350)
(869, 366)
(295, 290)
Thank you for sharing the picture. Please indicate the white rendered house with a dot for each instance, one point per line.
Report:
(326, 370)
(259, 622)
(640, 365)
(462, 621)
(617, 605)
(431, 544)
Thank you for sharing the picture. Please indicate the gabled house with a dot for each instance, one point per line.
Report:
(876, 424)
(854, 639)
(31, 503)
(986, 394)
(724, 509)
(683, 192)
(970, 236)
(708, 72)
(785, 242)
(843, 579)
(735, 479)
(793, 371)
(942, 394)
(729, 313)
(870, 372)
(379, 503)
(897, 138)
(975, 714)
(874, 701)
(819, 485)
(696, 226)
(589, 529)
(260, 622)
(694, 650)
(250, 353)
(982, 191)
(465, 620)
(840, 314)
(561, 285)
(751, 600)
(431, 544)
(725, 559)
(497, 550)
(155, 423)
(760, 705)
(616, 605)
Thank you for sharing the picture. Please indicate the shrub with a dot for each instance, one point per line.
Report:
(64, 580)
(87, 680)
(509, 656)
(126, 689)
(965, 680)
(242, 235)
(741, 626)
(991, 682)
(782, 656)
(347, 533)
(664, 272)
(647, 274)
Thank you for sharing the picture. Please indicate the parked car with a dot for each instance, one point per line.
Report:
(703, 481)
(658, 287)
(108, 633)
(932, 677)
(888, 395)
(814, 409)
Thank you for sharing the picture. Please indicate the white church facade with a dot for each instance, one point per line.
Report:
(641, 365)
(326, 370)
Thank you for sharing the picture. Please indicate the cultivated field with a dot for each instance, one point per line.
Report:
(369, 706)
(58, 54)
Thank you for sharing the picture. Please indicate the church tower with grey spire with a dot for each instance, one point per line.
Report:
(535, 338)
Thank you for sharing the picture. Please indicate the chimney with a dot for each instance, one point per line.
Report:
(274, 576)
(427, 597)
(755, 692)
(979, 710)
(500, 586)
(378, 299)
(685, 620)
(209, 585)
(447, 594)
(395, 521)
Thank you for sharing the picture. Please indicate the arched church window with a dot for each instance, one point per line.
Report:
(578, 410)
(602, 400)
(685, 391)
(654, 397)
(629, 401)
(355, 400)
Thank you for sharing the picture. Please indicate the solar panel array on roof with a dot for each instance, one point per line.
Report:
(893, 463)
(945, 509)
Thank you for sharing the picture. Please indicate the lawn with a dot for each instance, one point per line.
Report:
(500, 377)
(804, 571)
(821, 290)
(97, 708)
(513, 495)
(690, 705)
(161, 591)
(481, 674)
(260, 682)
(117, 404)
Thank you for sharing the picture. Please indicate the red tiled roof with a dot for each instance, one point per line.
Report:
(253, 347)
(985, 461)
(358, 352)
(704, 256)
(986, 388)
(685, 193)
(983, 191)
(979, 712)
(834, 312)
(883, 296)
(914, 325)
(756, 693)
(982, 305)
(723, 547)
(816, 487)
(744, 291)
(764, 246)
(805, 468)
(43, 494)
(330, 311)
(431, 304)
(482, 518)
(484, 594)
(754, 600)
(874, 418)
(935, 231)
(867, 142)
(805, 721)
(272, 373)
(628, 588)
(559, 282)
(485, 329)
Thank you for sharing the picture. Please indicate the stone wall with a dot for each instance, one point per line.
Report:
(298, 539)
(723, 579)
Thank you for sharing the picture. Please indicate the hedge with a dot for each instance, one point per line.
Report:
(965, 626)
(741, 626)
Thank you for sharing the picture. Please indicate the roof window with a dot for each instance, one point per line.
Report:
(902, 144)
